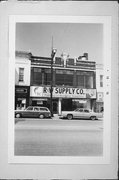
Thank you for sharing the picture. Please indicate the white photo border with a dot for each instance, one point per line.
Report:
(106, 22)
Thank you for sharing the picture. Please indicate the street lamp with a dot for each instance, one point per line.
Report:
(51, 89)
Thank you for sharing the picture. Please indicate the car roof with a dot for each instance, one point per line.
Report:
(37, 107)
(84, 108)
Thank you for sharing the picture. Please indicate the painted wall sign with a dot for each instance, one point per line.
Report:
(63, 92)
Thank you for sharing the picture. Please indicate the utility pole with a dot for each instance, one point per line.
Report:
(53, 52)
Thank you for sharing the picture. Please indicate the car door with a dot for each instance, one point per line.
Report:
(36, 111)
(86, 114)
(78, 113)
(44, 111)
(29, 112)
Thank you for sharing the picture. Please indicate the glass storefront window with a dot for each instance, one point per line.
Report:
(76, 103)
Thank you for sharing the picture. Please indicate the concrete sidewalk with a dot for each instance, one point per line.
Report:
(55, 117)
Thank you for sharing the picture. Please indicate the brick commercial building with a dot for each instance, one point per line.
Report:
(74, 82)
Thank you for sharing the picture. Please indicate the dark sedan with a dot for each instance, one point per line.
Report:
(33, 112)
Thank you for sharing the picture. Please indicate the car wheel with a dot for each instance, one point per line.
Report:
(70, 116)
(18, 115)
(93, 118)
(41, 116)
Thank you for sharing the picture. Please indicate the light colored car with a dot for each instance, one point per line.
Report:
(33, 112)
(81, 113)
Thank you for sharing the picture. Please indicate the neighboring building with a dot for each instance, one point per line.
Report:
(100, 88)
(74, 82)
(22, 79)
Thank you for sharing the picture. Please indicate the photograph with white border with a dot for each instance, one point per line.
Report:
(59, 89)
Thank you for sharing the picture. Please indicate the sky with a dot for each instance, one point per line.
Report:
(70, 38)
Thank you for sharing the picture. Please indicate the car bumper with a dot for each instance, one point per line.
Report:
(62, 116)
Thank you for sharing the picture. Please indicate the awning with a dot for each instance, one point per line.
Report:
(39, 99)
(80, 101)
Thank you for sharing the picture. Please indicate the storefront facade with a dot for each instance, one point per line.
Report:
(74, 83)
(21, 97)
(22, 79)
(99, 102)
(64, 98)
(99, 106)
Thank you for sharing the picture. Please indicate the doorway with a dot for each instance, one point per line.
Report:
(55, 106)
(66, 104)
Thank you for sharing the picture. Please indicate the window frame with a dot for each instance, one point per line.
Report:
(21, 74)
(101, 81)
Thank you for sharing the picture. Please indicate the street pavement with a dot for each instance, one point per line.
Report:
(58, 137)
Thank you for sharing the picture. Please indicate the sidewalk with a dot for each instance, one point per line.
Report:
(55, 117)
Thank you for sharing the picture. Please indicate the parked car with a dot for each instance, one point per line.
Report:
(81, 113)
(33, 112)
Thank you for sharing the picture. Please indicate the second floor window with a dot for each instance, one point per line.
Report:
(47, 76)
(80, 81)
(101, 80)
(85, 80)
(36, 76)
(21, 74)
(63, 77)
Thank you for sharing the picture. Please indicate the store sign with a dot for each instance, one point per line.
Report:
(100, 96)
(39, 102)
(21, 90)
(63, 92)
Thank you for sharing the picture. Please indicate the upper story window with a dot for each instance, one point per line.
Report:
(80, 81)
(89, 82)
(101, 80)
(85, 79)
(47, 76)
(63, 77)
(36, 76)
(21, 74)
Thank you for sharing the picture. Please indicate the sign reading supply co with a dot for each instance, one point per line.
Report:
(63, 92)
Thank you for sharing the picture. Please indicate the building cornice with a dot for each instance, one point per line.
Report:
(23, 54)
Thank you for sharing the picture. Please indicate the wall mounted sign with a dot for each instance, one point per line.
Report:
(64, 92)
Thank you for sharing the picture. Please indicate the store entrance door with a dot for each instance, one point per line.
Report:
(66, 104)
(20, 103)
